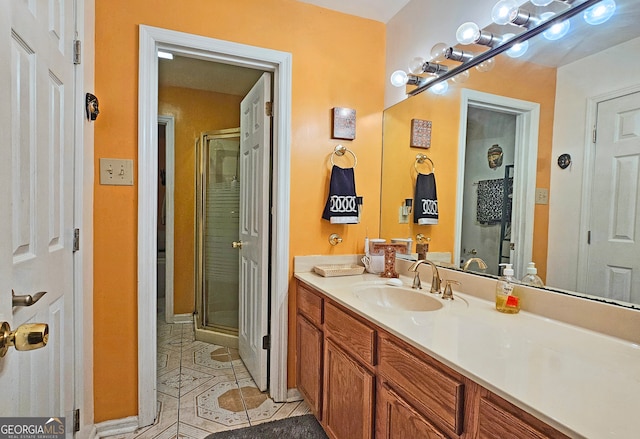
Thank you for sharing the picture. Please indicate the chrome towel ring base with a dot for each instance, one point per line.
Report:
(339, 151)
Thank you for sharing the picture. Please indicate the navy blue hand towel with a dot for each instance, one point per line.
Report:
(425, 210)
(341, 206)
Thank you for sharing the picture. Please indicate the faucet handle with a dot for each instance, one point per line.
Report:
(448, 292)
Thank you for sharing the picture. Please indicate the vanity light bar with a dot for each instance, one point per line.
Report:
(529, 33)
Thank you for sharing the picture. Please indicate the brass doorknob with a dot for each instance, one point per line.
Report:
(27, 337)
(236, 244)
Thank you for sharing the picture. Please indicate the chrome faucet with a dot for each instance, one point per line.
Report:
(481, 264)
(435, 281)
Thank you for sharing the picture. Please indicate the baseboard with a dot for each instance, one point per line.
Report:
(116, 426)
(87, 432)
(294, 395)
(182, 318)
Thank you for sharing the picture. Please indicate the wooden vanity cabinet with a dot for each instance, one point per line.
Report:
(361, 381)
(349, 376)
(310, 348)
(397, 419)
(348, 395)
(499, 419)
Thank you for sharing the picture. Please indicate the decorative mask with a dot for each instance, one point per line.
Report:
(494, 155)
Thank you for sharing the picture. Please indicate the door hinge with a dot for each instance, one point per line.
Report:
(589, 237)
(595, 135)
(268, 109)
(266, 342)
(77, 50)
(76, 420)
(76, 240)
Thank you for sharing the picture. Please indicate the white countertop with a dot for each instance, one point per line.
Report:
(581, 382)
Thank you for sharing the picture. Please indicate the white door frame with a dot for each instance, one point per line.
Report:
(170, 142)
(152, 39)
(525, 161)
(587, 180)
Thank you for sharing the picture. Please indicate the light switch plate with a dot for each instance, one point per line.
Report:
(116, 172)
(542, 195)
(402, 218)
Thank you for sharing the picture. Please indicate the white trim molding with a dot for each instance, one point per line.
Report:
(116, 426)
(280, 63)
(526, 156)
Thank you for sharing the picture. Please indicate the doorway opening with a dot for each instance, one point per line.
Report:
(513, 191)
(279, 63)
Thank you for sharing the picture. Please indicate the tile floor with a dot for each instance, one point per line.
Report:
(205, 388)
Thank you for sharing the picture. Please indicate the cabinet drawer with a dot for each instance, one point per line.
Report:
(355, 336)
(309, 304)
(435, 393)
(498, 418)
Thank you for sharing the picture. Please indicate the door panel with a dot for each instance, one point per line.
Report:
(614, 250)
(255, 137)
(36, 223)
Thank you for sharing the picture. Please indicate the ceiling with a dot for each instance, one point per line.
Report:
(379, 10)
(199, 74)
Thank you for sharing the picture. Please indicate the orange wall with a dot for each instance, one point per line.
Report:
(444, 112)
(338, 61)
(195, 111)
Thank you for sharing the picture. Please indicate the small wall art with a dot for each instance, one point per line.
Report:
(344, 123)
(421, 133)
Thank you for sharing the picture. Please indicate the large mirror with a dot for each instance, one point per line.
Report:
(522, 139)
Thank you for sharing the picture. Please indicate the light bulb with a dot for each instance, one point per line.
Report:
(517, 50)
(440, 88)
(556, 31)
(438, 51)
(504, 11)
(399, 78)
(468, 33)
(486, 66)
(415, 65)
(600, 12)
(541, 2)
(461, 77)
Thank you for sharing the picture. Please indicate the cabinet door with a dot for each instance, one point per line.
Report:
(309, 364)
(348, 396)
(396, 419)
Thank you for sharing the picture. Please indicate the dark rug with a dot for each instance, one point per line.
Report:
(298, 427)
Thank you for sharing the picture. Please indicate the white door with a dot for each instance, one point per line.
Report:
(36, 196)
(255, 140)
(614, 249)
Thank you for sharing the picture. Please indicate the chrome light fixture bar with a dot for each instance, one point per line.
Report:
(529, 33)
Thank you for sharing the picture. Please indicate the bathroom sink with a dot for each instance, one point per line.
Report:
(397, 298)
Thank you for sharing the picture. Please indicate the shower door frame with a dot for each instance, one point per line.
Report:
(201, 184)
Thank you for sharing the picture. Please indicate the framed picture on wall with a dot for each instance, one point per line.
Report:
(343, 123)
(420, 133)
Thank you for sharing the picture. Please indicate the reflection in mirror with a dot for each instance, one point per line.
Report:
(582, 224)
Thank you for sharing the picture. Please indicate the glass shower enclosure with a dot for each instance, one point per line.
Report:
(217, 219)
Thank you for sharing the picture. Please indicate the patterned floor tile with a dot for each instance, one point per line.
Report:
(212, 402)
(207, 388)
(181, 381)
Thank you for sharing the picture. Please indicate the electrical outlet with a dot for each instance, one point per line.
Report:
(542, 195)
(116, 172)
(402, 218)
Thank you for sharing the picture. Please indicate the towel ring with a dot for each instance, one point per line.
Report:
(340, 150)
(420, 159)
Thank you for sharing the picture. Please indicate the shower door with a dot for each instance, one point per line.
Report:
(218, 205)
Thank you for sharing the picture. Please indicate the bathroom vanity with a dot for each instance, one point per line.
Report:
(375, 367)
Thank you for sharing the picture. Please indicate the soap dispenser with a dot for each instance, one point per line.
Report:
(532, 277)
(506, 299)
